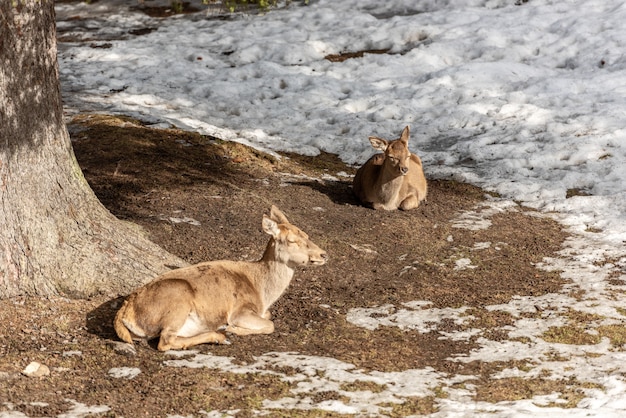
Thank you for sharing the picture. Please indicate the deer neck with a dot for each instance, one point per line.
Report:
(276, 276)
(388, 182)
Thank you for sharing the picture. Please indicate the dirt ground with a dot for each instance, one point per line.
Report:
(203, 199)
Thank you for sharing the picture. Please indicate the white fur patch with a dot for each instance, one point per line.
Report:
(134, 330)
(192, 326)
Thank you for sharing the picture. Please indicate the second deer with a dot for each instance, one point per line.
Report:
(194, 305)
(391, 180)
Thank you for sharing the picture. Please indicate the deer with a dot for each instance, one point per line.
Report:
(194, 305)
(391, 180)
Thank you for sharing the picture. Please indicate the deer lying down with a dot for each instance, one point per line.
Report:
(192, 305)
(392, 180)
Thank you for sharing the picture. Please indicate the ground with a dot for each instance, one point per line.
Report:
(203, 199)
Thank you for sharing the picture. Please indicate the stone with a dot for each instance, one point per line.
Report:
(35, 369)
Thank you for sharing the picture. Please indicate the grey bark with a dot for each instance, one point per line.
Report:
(55, 236)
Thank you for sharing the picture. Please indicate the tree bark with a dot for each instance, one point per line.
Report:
(55, 236)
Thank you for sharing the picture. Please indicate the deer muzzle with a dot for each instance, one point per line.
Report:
(318, 259)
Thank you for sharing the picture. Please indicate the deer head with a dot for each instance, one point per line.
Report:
(291, 245)
(396, 153)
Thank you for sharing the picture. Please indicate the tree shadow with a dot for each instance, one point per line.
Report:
(124, 161)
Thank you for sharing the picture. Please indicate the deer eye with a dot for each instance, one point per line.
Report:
(393, 159)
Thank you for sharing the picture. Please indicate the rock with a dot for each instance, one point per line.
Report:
(122, 348)
(124, 372)
(35, 369)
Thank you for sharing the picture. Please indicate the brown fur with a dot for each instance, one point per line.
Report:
(392, 180)
(193, 305)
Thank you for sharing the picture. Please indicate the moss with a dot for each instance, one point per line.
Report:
(361, 385)
(412, 406)
(616, 333)
(570, 334)
(570, 391)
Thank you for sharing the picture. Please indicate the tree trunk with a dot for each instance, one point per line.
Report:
(55, 236)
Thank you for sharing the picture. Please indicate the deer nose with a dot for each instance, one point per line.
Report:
(319, 258)
(404, 170)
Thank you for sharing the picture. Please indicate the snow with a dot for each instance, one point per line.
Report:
(318, 374)
(526, 100)
(124, 372)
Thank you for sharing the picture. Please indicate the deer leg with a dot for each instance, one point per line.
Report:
(246, 322)
(379, 206)
(186, 322)
(173, 342)
(409, 203)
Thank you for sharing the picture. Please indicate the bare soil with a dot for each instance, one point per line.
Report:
(203, 199)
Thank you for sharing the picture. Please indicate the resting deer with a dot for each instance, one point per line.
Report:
(192, 305)
(392, 180)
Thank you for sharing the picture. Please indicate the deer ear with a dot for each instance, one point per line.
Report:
(379, 143)
(270, 227)
(278, 216)
(404, 137)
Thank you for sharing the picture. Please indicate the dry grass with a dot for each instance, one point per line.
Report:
(569, 392)
(143, 175)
